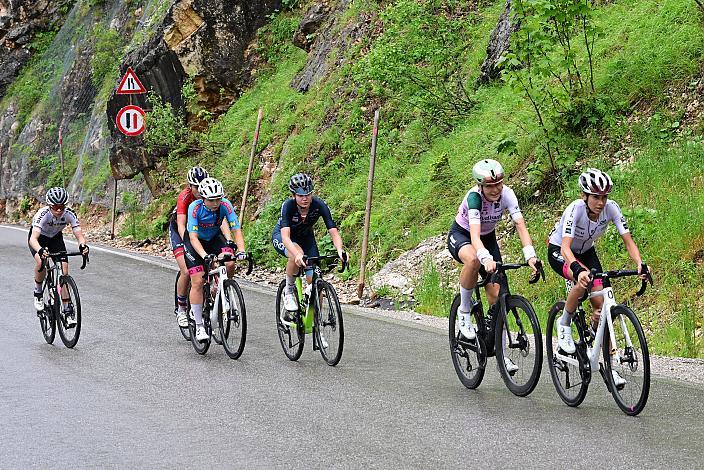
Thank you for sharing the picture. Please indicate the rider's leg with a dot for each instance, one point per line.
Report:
(468, 280)
(196, 295)
(182, 284)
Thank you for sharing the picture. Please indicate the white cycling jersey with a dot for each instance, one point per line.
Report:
(476, 210)
(49, 225)
(576, 224)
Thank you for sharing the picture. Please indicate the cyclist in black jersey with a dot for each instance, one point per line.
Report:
(293, 235)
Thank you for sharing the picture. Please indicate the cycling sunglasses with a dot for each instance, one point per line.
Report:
(58, 207)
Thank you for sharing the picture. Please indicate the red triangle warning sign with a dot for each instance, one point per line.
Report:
(130, 84)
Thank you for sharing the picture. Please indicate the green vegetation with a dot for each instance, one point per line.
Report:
(420, 69)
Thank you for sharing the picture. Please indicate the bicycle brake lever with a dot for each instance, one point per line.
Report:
(541, 273)
(85, 261)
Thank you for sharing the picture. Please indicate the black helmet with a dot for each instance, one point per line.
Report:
(56, 195)
(301, 184)
(196, 175)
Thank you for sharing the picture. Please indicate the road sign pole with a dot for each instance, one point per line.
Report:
(251, 164)
(368, 211)
(114, 209)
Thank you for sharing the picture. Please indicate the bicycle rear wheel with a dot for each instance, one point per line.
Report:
(519, 340)
(233, 320)
(468, 356)
(69, 305)
(47, 317)
(292, 337)
(566, 376)
(630, 359)
(185, 332)
(329, 328)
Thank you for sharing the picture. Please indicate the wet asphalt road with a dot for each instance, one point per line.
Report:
(134, 394)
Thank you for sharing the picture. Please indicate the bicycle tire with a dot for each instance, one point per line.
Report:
(635, 362)
(561, 372)
(470, 374)
(185, 332)
(64, 330)
(329, 326)
(47, 317)
(292, 340)
(527, 355)
(233, 322)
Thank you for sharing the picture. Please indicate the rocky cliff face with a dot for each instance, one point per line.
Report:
(20, 22)
(202, 39)
(165, 43)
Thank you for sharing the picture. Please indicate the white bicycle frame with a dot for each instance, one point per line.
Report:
(593, 353)
(221, 272)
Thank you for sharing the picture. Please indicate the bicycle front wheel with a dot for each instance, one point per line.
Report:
(329, 329)
(69, 312)
(233, 320)
(468, 356)
(566, 375)
(291, 334)
(519, 350)
(629, 359)
(47, 317)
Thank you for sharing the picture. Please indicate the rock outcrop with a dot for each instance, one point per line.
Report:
(20, 22)
(202, 39)
(499, 43)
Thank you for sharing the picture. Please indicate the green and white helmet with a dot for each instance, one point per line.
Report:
(488, 171)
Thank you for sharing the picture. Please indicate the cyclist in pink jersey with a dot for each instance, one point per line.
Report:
(472, 239)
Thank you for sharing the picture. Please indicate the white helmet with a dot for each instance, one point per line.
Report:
(595, 181)
(56, 196)
(210, 188)
(488, 171)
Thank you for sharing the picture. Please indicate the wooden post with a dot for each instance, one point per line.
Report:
(251, 164)
(368, 211)
(114, 209)
(61, 155)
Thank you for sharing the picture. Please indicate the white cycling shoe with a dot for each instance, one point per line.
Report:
(201, 334)
(38, 302)
(466, 327)
(564, 339)
(323, 344)
(510, 366)
(70, 316)
(290, 303)
(182, 319)
(619, 381)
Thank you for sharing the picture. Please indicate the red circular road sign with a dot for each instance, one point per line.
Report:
(130, 120)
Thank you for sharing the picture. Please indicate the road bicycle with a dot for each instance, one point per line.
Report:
(619, 339)
(223, 309)
(511, 325)
(62, 305)
(318, 313)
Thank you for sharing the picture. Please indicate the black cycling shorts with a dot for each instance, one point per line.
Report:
(54, 244)
(214, 246)
(588, 260)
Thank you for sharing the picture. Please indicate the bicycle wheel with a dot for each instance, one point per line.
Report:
(47, 317)
(70, 305)
(329, 328)
(519, 340)
(566, 376)
(468, 357)
(185, 332)
(233, 320)
(292, 337)
(630, 359)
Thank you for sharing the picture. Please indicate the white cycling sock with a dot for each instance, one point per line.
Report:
(566, 318)
(466, 300)
(290, 283)
(198, 313)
